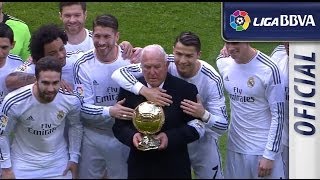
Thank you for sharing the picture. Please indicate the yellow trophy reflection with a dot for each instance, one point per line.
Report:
(148, 119)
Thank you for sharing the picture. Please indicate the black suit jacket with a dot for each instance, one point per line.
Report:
(173, 162)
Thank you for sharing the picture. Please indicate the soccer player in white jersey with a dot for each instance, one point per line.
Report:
(38, 113)
(280, 55)
(255, 90)
(100, 149)
(8, 62)
(73, 16)
(52, 39)
(185, 64)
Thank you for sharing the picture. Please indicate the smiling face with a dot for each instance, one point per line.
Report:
(185, 58)
(48, 84)
(73, 18)
(104, 40)
(238, 50)
(56, 49)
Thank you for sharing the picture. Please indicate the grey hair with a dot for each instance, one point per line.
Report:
(156, 47)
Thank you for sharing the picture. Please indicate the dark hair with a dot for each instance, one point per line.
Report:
(6, 32)
(45, 35)
(189, 39)
(47, 63)
(106, 20)
(63, 4)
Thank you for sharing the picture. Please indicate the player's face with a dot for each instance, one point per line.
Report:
(154, 69)
(5, 47)
(238, 50)
(48, 85)
(185, 58)
(56, 49)
(104, 40)
(73, 18)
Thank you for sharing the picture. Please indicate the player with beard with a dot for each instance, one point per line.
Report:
(100, 149)
(38, 113)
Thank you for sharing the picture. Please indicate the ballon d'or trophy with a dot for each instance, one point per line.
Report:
(148, 119)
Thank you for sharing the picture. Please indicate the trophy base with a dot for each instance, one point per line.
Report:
(148, 143)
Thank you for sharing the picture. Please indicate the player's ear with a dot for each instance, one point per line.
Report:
(117, 35)
(199, 54)
(13, 44)
(85, 14)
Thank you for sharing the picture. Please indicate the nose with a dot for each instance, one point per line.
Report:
(73, 18)
(182, 60)
(153, 71)
(50, 88)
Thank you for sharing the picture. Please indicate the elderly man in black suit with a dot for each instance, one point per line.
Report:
(171, 159)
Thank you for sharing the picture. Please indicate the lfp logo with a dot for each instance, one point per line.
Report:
(240, 20)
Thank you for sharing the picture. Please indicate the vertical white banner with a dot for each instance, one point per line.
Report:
(304, 105)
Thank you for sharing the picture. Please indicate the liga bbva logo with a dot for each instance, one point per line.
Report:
(240, 21)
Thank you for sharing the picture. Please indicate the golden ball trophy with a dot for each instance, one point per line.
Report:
(148, 119)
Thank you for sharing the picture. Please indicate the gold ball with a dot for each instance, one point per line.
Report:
(148, 118)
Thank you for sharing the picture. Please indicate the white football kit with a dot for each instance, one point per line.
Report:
(100, 149)
(280, 56)
(38, 149)
(256, 96)
(12, 62)
(84, 46)
(204, 153)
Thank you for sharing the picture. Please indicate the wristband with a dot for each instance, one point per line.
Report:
(206, 116)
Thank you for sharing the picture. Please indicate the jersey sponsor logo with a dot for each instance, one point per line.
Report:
(250, 82)
(241, 98)
(111, 95)
(237, 96)
(60, 115)
(46, 129)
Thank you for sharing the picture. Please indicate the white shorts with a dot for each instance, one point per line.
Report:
(245, 166)
(102, 153)
(41, 168)
(205, 158)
